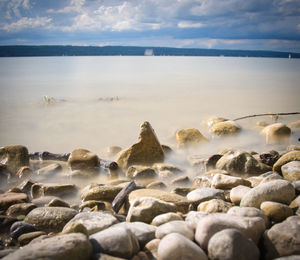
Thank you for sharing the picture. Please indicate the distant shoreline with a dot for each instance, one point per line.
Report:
(67, 50)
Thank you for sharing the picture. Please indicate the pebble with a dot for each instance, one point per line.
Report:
(237, 193)
(176, 226)
(204, 194)
(165, 218)
(277, 212)
(214, 205)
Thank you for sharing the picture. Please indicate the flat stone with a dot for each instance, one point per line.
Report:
(237, 193)
(204, 194)
(176, 226)
(10, 198)
(181, 181)
(286, 158)
(214, 205)
(277, 212)
(20, 209)
(159, 185)
(58, 203)
(291, 171)
(221, 181)
(100, 192)
(52, 189)
(28, 237)
(191, 136)
(225, 128)
(83, 159)
(164, 218)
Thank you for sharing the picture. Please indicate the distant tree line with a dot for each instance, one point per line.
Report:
(59, 50)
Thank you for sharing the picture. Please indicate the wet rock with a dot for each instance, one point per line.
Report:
(283, 239)
(28, 237)
(115, 241)
(176, 226)
(140, 172)
(43, 201)
(237, 193)
(83, 159)
(68, 246)
(210, 121)
(75, 227)
(191, 136)
(231, 244)
(181, 181)
(159, 185)
(167, 167)
(251, 227)
(93, 221)
(50, 170)
(24, 172)
(145, 152)
(269, 158)
(50, 219)
(25, 186)
(221, 181)
(276, 133)
(182, 191)
(212, 161)
(100, 192)
(193, 217)
(10, 198)
(214, 205)
(225, 128)
(291, 171)
(175, 247)
(91, 204)
(295, 203)
(164, 218)
(201, 182)
(20, 209)
(286, 158)
(58, 203)
(19, 228)
(277, 212)
(278, 191)
(14, 157)
(203, 194)
(52, 189)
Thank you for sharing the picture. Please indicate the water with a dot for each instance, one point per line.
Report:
(169, 92)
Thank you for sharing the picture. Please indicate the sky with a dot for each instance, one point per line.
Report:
(220, 24)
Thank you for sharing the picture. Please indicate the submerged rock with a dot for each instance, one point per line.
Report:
(225, 128)
(276, 133)
(52, 189)
(187, 137)
(83, 159)
(10, 198)
(100, 192)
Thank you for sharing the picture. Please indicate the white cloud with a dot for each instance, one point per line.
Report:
(27, 23)
(189, 24)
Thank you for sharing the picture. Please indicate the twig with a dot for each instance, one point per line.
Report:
(268, 114)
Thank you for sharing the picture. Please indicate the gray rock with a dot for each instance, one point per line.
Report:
(237, 193)
(291, 171)
(19, 228)
(296, 185)
(231, 244)
(93, 221)
(43, 201)
(176, 226)
(177, 247)
(204, 194)
(24, 239)
(152, 247)
(193, 217)
(164, 218)
(69, 246)
(271, 177)
(20, 209)
(222, 181)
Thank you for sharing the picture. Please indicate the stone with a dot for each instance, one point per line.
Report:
(188, 137)
(277, 190)
(271, 177)
(75, 227)
(93, 221)
(276, 133)
(193, 217)
(167, 167)
(181, 181)
(255, 180)
(222, 181)
(210, 121)
(290, 257)
(286, 158)
(164, 218)
(225, 128)
(24, 172)
(201, 182)
(43, 201)
(231, 244)
(277, 212)
(203, 194)
(115, 241)
(269, 158)
(166, 174)
(50, 219)
(151, 247)
(102, 256)
(214, 205)
(25, 186)
(237, 193)
(296, 185)
(14, 157)
(19, 228)
(212, 161)
(291, 171)
(241, 163)
(159, 185)
(83, 159)
(144, 209)
(176, 247)
(145, 152)
(282, 239)
(67, 246)
(50, 170)
(261, 123)
(176, 226)
(100, 192)
(253, 228)
(58, 203)
(295, 203)
(167, 149)
(91, 204)
(20, 209)
(28, 237)
(140, 172)
(113, 150)
(10, 198)
(52, 189)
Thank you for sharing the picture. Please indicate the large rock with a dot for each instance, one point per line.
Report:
(176, 247)
(68, 246)
(214, 205)
(283, 239)
(286, 158)
(213, 223)
(225, 128)
(50, 219)
(116, 241)
(93, 221)
(52, 189)
(14, 157)
(237, 193)
(231, 244)
(222, 181)
(10, 198)
(291, 171)
(276, 133)
(176, 226)
(241, 162)
(191, 136)
(278, 191)
(277, 212)
(145, 152)
(83, 159)
(100, 192)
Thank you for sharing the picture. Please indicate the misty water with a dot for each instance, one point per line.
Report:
(96, 102)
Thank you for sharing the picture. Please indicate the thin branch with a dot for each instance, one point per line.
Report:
(268, 114)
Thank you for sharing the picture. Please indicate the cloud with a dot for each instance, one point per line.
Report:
(27, 23)
(189, 24)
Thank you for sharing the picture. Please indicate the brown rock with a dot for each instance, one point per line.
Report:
(276, 133)
(286, 158)
(9, 198)
(83, 159)
(187, 137)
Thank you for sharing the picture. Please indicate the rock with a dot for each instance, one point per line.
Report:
(91, 204)
(58, 203)
(50, 219)
(140, 172)
(277, 212)
(276, 133)
(181, 181)
(193, 217)
(210, 121)
(278, 191)
(143, 232)
(115, 241)
(20, 209)
(166, 174)
(295, 203)
(176, 226)
(25, 186)
(28, 237)
(225, 128)
(50, 170)
(241, 163)
(261, 123)
(269, 158)
(290, 257)
(151, 247)
(286, 158)
(14, 157)
(93, 221)
(24, 172)
(19, 228)
(214, 205)
(80, 174)
(167, 149)
(83, 159)
(167, 167)
(68, 246)
(164, 218)
(182, 191)
(191, 136)
(296, 185)
(145, 152)
(237, 193)
(203, 194)
(100, 192)
(144, 209)
(282, 239)
(212, 161)
(113, 150)
(10, 198)
(231, 244)
(175, 247)
(251, 227)
(159, 185)
(5, 252)
(255, 180)
(271, 177)
(52, 189)
(43, 201)
(221, 181)
(291, 171)
(75, 227)
(201, 182)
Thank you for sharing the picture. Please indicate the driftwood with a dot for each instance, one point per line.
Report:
(268, 114)
(122, 196)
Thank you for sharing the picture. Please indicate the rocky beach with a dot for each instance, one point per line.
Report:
(134, 204)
